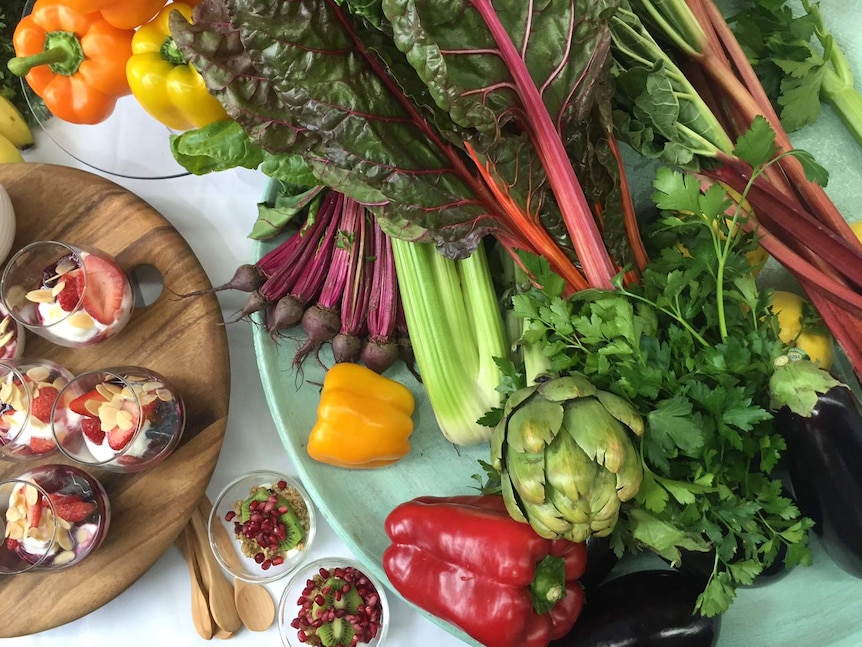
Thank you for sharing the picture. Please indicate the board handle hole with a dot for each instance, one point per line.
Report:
(147, 284)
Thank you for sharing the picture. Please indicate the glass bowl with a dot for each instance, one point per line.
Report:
(52, 517)
(30, 406)
(124, 419)
(129, 143)
(68, 294)
(262, 507)
(297, 609)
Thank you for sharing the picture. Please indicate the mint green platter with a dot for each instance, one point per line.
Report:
(818, 606)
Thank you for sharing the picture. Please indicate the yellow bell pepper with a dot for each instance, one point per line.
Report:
(363, 419)
(167, 87)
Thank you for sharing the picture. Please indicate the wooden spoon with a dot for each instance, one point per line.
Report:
(254, 604)
(222, 605)
(200, 610)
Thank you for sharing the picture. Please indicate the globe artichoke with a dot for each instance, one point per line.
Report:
(566, 457)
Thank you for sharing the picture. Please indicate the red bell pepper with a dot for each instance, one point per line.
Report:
(465, 560)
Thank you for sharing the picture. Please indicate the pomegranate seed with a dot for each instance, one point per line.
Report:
(320, 600)
(259, 557)
(230, 515)
(301, 637)
(266, 564)
(277, 560)
(282, 485)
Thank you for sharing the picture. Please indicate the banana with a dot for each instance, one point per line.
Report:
(9, 152)
(13, 126)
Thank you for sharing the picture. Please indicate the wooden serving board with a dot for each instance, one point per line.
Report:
(183, 339)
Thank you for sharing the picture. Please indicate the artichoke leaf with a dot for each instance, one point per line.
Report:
(569, 470)
(533, 426)
(498, 441)
(620, 409)
(631, 475)
(545, 518)
(517, 398)
(511, 499)
(602, 437)
(568, 387)
(577, 512)
(527, 473)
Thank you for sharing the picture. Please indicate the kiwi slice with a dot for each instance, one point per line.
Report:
(295, 531)
(337, 631)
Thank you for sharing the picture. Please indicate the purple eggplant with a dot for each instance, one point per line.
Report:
(643, 609)
(824, 460)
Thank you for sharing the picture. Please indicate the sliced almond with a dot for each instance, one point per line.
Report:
(165, 395)
(39, 373)
(6, 338)
(16, 296)
(59, 286)
(4, 324)
(65, 266)
(93, 406)
(65, 539)
(124, 420)
(108, 390)
(81, 320)
(40, 296)
(60, 382)
(15, 530)
(63, 557)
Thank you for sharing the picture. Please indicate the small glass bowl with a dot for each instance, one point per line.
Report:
(52, 517)
(70, 295)
(30, 406)
(124, 419)
(290, 605)
(246, 560)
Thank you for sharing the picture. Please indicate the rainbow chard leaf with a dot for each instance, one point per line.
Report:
(449, 119)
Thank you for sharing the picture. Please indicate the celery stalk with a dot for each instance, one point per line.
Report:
(456, 330)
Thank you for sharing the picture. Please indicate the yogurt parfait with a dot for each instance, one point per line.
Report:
(70, 295)
(52, 516)
(124, 419)
(31, 410)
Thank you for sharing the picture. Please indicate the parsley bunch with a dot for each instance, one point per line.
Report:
(692, 347)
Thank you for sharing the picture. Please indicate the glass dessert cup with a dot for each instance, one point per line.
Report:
(270, 521)
(30, 405)
(53, 517)
(70, 295)
(123, 419)
(299, 608)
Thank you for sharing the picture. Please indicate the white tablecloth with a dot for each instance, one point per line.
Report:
(214, 213)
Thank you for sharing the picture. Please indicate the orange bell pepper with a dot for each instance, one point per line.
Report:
(75, 61)
(122, 14)
(363, 419)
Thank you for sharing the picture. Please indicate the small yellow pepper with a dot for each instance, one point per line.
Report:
(363, 419)
(167, 87)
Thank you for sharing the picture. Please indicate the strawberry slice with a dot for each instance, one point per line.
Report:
(119, 438)
(92, 428)
(103, 297)
(79, 404)
(42, 403)
(71, 507)
(42, 445)
(71, 293)
(34, 513)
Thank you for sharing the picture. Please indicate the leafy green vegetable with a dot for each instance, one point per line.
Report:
(693, 348)
(798, 62)
(452, 120)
